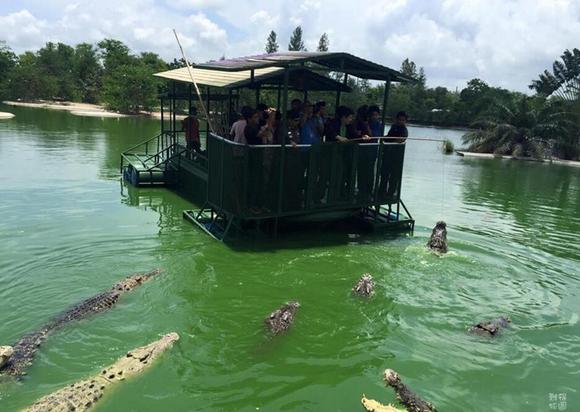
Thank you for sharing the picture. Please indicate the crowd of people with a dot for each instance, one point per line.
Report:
(308, 124)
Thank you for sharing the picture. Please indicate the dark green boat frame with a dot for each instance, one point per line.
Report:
(246, 188)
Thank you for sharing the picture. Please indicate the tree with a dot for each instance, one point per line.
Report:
(8, 61)
(409, 68)
(296, 43)
(564, 80)
(29, 82)
(57, 61)
(87, 72)
(272, 43)
(113, 54)
(521, 129)
(323, 43)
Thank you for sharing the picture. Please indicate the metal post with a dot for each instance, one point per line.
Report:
(207, 103)
(305, 95)
(385, 101)
(278, 99)
(162, 117)
(174, 122)
(189, 98)
(284, 135)
(339, 91)
(230, 107)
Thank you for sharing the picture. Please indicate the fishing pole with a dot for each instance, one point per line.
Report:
(190, 71)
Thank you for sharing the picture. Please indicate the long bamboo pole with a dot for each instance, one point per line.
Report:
(189, 70)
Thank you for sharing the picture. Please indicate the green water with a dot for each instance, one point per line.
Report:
(69, 229)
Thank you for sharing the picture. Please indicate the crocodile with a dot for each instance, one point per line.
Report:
(438, 240)
(490, 328)
(370, 405)
(281, 319)
(25, 349)
(365, 286)
(408, 398)
(83, 395)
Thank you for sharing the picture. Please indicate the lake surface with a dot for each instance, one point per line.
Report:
(70, 229)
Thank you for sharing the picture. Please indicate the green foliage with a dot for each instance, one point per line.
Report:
(564, 80)
(272, 43)
(296, 42)
(448, 146)
(526, 127)
(87, 72)
(8, 61)
(323, 43)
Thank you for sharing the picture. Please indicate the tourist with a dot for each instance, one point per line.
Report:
(295, 107)
(361, 124)
(237, 131)
(253, 129)
(340, 128)
(367, 155)
(399, 128)
(375, 124)
(264, 111)
(190, 125)
(319, 114)
(309, 132)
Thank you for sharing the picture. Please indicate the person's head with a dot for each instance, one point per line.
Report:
(345, 115)
(374, 113)
(193, 111)
(401, 118)
(362, 113)
(255, 117)
(247, 112)
(262, 107)
(307, 108)
(320, 108)
(296, 105)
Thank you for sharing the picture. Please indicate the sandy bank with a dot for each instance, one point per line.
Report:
(5, 115)
(528, 159)
(84, 109)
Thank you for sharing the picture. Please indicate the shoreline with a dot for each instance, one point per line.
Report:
(83, 109)
(562, 162)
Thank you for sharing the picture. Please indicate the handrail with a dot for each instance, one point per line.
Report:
(143, 142)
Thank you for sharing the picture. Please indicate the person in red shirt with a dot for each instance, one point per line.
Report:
(190, 125)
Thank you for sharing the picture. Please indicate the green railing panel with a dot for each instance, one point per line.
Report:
(244, 181)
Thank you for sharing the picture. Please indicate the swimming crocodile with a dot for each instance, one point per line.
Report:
(25, 349)
(410, 400)
(371, 405)
(365, 286)
(490, 328)
(281, 319)
(438, 240)
(407, 397)
(82, 396)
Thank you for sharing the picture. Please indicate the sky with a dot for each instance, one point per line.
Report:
(506, 43)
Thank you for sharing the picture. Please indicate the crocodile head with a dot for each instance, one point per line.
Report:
(131, 282)
(5, 354)
(392, 378)
(138, 359)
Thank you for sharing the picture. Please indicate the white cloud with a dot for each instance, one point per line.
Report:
(505, 42)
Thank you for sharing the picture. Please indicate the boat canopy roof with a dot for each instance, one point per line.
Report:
(300, 78)
(328, 61)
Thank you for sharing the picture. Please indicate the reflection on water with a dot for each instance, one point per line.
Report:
(70, 228)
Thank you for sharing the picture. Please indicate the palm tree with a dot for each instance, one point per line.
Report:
(519, 129)
(564, 80)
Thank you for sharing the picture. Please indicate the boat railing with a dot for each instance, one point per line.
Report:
(271, 180)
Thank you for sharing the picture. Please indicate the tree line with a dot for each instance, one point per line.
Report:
(110, 74)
